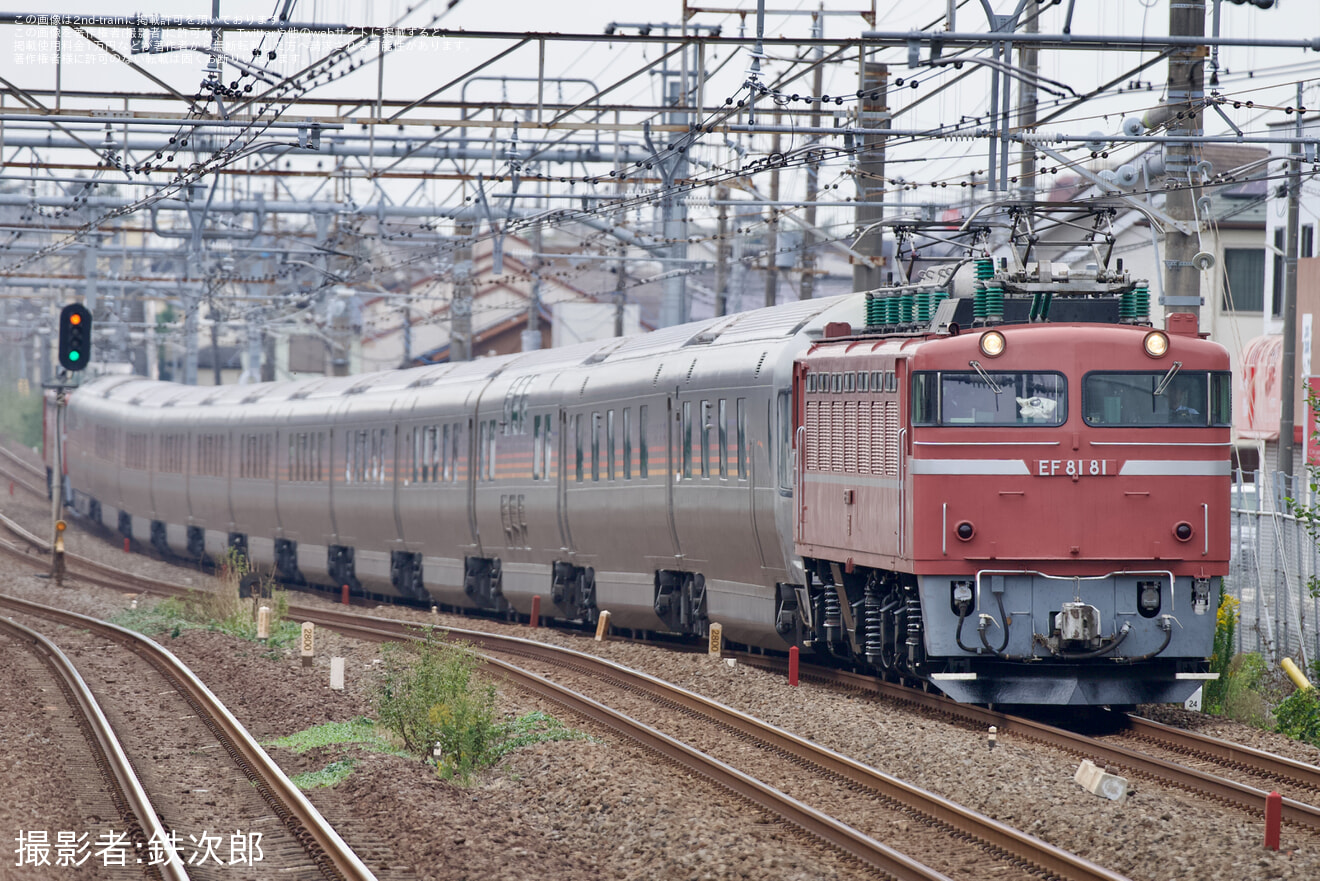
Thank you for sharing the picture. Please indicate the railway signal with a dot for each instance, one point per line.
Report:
(75, 336)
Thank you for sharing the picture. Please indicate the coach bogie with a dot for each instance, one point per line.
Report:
(680, 602)
(406, 574)
(341, 566)
(286, 561)
(483, 584)
(573, 591)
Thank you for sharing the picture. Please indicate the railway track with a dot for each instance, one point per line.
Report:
(317, 841)
(1012, 848)
(1296, 777)
(139, 818)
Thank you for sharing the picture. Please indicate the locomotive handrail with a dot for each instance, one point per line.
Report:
(902, 488)
(800, 466)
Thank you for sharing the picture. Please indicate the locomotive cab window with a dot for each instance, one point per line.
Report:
(970, 398)
(1191, 398)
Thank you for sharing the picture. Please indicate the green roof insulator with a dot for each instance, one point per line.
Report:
(985, 268)
(875, 311)
(978, 301)
(905, 308)
(921, 306)
(1045, 307)
(1035, 306)
(1141, 302)
(994, 302)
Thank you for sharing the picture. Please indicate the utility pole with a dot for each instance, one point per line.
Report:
(460, 308)
(722, 252)
(808, 287)
(1182, 277)
(870, 173)
(1029, 61)
(531, 337)
(1287, 407)
(772, 234)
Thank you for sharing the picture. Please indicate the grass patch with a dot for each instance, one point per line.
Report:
(330, 775)
(219, 609)
(432, 699)
(360, 731)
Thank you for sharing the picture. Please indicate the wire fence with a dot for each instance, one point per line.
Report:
(1274, 564)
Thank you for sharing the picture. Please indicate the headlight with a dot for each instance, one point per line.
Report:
(992, 344)
(1156, 344)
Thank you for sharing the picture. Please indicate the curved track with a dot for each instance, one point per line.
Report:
(322, 843)
(141, 822)
(1023, 850)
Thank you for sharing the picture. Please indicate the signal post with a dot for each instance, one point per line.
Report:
(75, 353)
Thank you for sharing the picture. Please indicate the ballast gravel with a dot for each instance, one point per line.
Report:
(601, 808)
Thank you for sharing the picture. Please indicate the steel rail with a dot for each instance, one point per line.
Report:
(1018, 845)
(833, 832)
(1224, 752)
(132, 801)
(297, 814)
(1231, 792)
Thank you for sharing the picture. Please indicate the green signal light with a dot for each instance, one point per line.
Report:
(74, 356)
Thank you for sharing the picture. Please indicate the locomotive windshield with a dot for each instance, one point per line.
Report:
(1190, 398)
(971, 398)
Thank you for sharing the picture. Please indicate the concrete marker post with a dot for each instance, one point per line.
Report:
(263, 623)
(308, 642)
(716, 640)
(602, 626)
(337, 674)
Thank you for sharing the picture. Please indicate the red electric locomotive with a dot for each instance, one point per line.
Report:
(1018, 496)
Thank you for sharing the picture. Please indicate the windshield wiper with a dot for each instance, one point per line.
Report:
(1168, 377)
(976, 365)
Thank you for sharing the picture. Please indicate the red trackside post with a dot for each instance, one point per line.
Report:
(344, 595)
(1273, 817)
(535, 620)
(793, 665)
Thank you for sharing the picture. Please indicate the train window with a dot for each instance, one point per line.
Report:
(481, 450)
(595, 446)
(742, 438)
(969, 398)
(891, 381)
(490, 454)
(536, 447)
(838, 382)
(724, 437)
(686, 430)
(877, 380)
(452, 464)
(577, 439)
(705, 438)
(848, 380)
(785, 414)
(863, 381)
(811, 382)
(1157, 398)
(627, 443)
(609, 444)
(643, 454)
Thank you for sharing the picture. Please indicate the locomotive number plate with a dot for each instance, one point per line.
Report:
(1077, 467)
